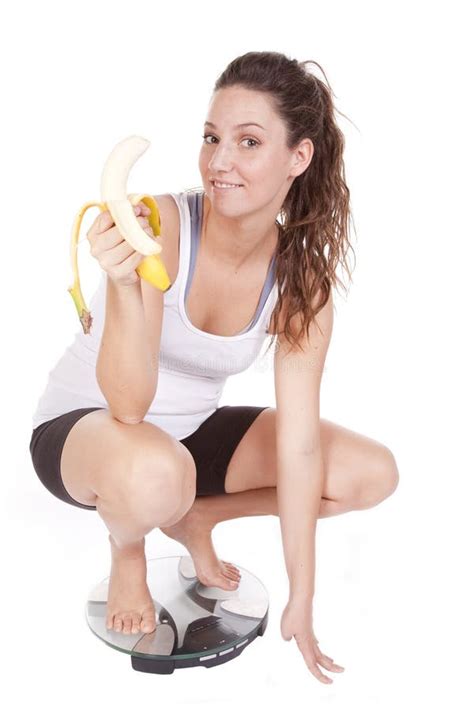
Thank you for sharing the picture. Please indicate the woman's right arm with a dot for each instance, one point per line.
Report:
(127, 367)
(127, 363)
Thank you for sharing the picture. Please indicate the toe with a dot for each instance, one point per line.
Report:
(135, 623)
(117, 623)
(232, 572)
(231, 566)
(127, 623)
(228, 584)
(148, 621)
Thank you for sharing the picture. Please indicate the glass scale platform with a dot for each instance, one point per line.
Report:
(195, 625)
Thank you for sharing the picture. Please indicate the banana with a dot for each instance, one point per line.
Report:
(120, 205)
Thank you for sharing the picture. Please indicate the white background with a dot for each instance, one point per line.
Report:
(393, 599)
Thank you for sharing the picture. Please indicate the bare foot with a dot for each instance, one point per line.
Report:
(130, 607)
(194, 532)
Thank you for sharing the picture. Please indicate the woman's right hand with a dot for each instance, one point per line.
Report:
(114, 254)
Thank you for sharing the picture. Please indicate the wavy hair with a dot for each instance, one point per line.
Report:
(315, 216)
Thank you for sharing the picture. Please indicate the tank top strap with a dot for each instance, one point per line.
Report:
(195, 202)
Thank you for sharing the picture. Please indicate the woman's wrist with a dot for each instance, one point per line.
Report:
(301, 597)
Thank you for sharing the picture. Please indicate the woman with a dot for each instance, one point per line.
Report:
(154, 436)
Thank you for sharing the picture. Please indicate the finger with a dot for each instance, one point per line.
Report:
(104, 221)
(97, 225)
(141, 209)
(315, 670)
(307, 650)
(144, 208)
(327, 662)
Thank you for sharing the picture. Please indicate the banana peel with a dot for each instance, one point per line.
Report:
(151, 268)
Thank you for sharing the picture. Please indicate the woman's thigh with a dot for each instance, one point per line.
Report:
(214, 442)
(99, 454)
(355, 466)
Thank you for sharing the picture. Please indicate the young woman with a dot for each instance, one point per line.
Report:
(129, 423)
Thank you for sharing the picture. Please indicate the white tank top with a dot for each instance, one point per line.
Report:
(193, 364)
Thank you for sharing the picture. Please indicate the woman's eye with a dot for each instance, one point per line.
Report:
(210, 135)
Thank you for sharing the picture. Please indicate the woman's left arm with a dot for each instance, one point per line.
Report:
(300, 471)
(300, 477)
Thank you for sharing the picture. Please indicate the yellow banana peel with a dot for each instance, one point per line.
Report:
(151, 268)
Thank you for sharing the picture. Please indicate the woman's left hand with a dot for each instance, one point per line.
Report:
(297, 622)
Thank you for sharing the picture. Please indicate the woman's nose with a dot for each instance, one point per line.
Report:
(221, 160)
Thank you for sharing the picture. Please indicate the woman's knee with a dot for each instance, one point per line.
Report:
(158, 484)
(382, 481)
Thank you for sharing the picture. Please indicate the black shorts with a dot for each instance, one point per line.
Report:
(211, 445)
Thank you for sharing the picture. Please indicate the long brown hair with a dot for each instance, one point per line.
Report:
(315, 216)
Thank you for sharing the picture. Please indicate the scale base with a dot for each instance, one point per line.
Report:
(195, 625)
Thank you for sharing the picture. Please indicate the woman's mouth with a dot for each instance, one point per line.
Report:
(217, 185)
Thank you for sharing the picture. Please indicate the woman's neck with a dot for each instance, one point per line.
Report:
(236, 243)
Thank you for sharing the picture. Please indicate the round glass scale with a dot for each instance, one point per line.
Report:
(195, 625)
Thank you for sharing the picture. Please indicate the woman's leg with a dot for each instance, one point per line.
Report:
(254, 502)
(359, 472)
(194, 530)
(113, 466)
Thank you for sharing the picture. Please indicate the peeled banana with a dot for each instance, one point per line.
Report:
(114, 198)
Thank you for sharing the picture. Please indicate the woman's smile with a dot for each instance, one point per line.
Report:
(220, 187)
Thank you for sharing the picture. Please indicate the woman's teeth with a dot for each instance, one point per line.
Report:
(225, 185)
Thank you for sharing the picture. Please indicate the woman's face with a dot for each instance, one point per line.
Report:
(254, 157)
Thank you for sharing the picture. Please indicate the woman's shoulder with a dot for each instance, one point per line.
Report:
(169, 212)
